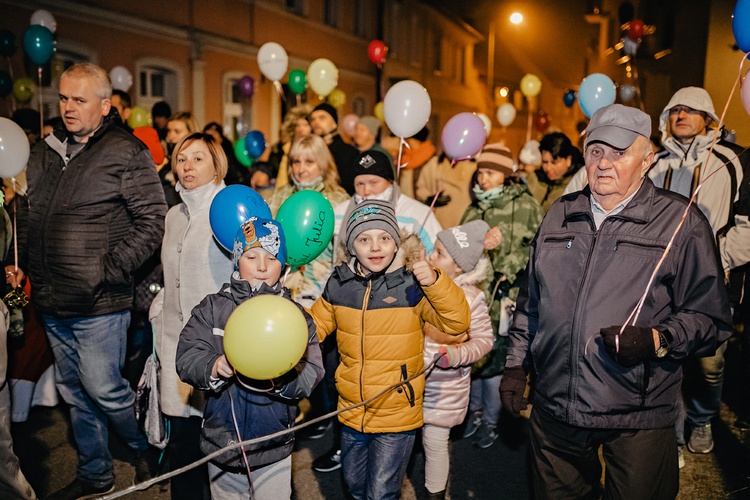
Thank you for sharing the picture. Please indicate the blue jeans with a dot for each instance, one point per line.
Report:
(89, 355)
(485, 397)
(374, 465)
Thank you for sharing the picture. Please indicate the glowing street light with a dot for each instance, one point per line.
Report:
(516, 18)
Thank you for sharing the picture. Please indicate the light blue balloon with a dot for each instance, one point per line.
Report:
(741, 24)
(596, 91)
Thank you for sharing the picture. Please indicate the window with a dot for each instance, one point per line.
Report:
(295, 6)
(237, 111)
(437, 50)
(157, 79)
(358, 106)
(393, 27)
(416, 42)
(460, 58)
(365, 19)
(331, 13)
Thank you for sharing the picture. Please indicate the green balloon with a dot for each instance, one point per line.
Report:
(307, 220)
(240, 152)
(297, 81)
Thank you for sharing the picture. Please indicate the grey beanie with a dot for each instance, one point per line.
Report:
(372, 124)
(465, 243)
(371, 214)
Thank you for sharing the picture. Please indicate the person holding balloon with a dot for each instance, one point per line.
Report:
(312, 169)
(560, 162)
(296, 125)
(508, 206)
(194, 266)
(239, 406)
(378, 302)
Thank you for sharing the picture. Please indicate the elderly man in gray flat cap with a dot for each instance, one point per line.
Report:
(606, 380)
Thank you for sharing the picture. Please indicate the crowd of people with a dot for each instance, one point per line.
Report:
(449, 293)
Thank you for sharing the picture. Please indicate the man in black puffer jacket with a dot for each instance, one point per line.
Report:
(96, 212)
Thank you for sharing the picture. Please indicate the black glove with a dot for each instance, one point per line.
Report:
(636, 344)
(512, 387)
(442, 200)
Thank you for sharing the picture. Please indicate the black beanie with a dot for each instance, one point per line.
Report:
(372, 162)
(328, 109)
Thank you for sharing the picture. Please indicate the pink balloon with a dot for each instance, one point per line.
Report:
(745, 94)
(463, 136)
(349, 124)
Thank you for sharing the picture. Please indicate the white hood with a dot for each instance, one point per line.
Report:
(692, 97)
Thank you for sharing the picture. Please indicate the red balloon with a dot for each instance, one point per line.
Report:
(542, 121)
(377, 51)
(636, 30)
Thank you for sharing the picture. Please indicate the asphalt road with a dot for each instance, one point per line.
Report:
(44, 445)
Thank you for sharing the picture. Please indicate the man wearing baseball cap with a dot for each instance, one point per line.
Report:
(605, 380)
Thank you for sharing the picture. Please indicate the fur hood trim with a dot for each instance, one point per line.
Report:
(480, 273)
(407, 254)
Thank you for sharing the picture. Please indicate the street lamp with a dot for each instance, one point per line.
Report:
(516, 18)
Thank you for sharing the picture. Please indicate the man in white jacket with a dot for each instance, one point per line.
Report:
(688, 127)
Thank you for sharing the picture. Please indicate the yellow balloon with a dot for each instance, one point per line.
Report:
(378, 111)
(139, 117)
(265, 337)
(322, 76)
(337, 98)
(531, 85)
(23, 89)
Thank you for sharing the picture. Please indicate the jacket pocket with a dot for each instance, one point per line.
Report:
(407, 388)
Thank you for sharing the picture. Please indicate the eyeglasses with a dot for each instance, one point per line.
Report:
(679, 109)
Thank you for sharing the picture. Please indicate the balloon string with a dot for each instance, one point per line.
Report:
(299, 100)
(15, 227)
(10, 72)
(147, 484)
(239, 438)
(286, 273)
(637, 310)
(41, 104)
(277, 85)
(401, 145)
(637, 85)
(432, 207)
(528, 125)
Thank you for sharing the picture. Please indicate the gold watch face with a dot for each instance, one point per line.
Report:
(661, 352)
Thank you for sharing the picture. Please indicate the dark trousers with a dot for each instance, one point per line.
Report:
(184, 449)
(640, 463)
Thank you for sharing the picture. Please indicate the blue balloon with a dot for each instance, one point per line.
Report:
(569, 98)
(39, 44)
(596, 91)
(232, 206)
(255, 144)
(627, 92)
(741, 24)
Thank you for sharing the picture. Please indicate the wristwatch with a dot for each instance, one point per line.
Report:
(663, 346)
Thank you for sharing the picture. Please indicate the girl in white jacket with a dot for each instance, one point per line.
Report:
(459, 253)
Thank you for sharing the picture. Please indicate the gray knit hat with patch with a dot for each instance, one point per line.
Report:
(371, 214)
(465, 243)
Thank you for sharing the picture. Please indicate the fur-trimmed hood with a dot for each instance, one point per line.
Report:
(480, 273)
(407, 254)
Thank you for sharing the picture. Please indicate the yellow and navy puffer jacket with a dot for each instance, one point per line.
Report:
(379, 321)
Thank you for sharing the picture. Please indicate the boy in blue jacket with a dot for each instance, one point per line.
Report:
(260, 407)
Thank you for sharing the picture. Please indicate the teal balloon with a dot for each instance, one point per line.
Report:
(8, 44)
(307, 220)
(39, 44)
(240, 152)
(297, 81)
(6, 84)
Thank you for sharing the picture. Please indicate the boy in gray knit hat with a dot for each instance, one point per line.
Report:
(378, 303)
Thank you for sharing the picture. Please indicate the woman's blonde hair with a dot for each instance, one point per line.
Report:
(315, 147)
(290, 120)
(214, 149)
(185, 117)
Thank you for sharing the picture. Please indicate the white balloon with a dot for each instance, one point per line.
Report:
(44, 18)
(273, 61)
(506, 114)
(407, 108)
(629, 46)
(14, 149)
(121, 78)
(487, 123)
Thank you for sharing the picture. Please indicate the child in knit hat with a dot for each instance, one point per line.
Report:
(507, 205)
(377, 303)
(459, 253)
(261, 407)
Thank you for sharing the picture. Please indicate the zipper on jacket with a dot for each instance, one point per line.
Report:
(644, 384)
(571, 361)
(365, 303)
(53, 196)
(409, 388)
